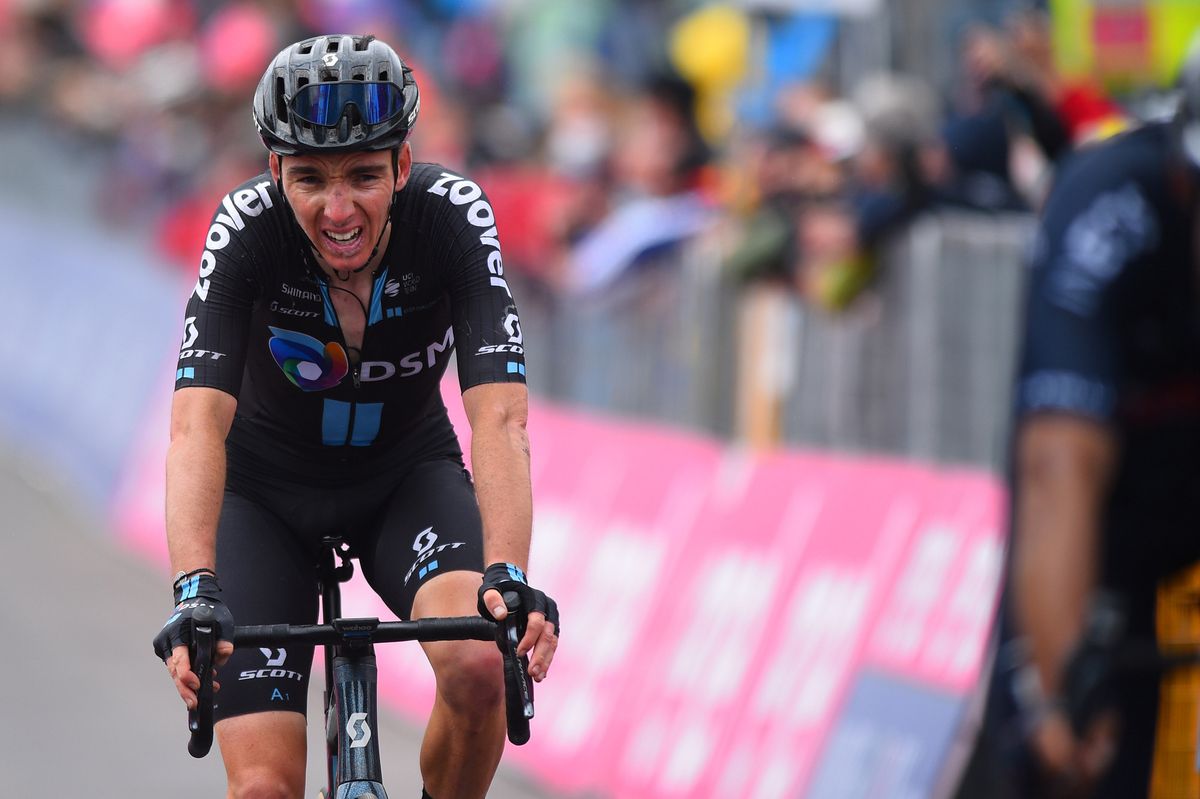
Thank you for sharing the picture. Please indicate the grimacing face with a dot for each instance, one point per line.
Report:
(341, 200)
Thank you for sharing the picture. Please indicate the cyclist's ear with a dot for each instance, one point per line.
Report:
(402, 161)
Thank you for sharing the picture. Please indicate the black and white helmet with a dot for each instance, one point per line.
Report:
(336, 93)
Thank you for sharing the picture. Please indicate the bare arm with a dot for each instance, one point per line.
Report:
(1064, 467)
(500, 462)
(200, 421)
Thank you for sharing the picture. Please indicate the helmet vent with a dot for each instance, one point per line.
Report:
(327, 75)
(383, 75)
(306, 48)
(332, 47)
(281, 109)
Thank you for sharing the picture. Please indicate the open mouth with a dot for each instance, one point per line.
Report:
(349, 237)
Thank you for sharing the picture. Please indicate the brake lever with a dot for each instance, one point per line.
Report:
(200, 718)
(518, 685)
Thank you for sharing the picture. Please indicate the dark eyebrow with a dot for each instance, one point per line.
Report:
(302, 169)
(305, 170)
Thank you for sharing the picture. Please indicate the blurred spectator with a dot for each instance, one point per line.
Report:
(659, 150)
(1081, 104)
(902, 159)
(792, 173)
(657, 167)
(890, 164)
(996, 111)
(577, 143)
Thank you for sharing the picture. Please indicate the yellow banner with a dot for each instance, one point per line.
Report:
(1127, 45)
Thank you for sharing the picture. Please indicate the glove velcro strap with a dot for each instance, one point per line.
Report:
(504, 572)
(505, 577)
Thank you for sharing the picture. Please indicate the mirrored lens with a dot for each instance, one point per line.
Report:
(325, 103)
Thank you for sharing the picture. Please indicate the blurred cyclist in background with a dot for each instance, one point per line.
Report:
(1106, 478)
(331, 293)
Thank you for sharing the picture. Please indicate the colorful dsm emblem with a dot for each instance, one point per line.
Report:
(309, 364)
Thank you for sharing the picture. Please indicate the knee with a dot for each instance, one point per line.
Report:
(471, 677)
(263, 784)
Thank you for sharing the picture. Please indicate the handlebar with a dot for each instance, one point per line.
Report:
(518, 686)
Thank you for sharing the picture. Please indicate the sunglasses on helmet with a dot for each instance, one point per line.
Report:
(325, 104)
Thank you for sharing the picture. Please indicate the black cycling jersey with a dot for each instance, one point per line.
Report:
(1113, 334)
(261, 326)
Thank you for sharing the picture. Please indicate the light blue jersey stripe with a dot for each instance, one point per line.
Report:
(330, 316)
(366, 423)
(376, 314)
(335, 423)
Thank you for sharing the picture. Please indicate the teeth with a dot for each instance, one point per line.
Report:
(344, 236)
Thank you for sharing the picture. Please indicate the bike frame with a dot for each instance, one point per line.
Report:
(353, 767)
(350, 695)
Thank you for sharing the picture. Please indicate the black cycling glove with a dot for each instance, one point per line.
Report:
(507, 577)
(1089, 677)
(191, 592)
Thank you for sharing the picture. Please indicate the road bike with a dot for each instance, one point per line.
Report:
(350, 697)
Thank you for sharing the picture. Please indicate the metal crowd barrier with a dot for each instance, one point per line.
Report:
(919, 366)
(922, 366)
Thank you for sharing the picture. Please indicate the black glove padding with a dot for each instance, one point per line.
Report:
(505, 577)
(1089, 677)
(199, 590)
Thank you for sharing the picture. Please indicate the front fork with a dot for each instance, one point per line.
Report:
(358, 768)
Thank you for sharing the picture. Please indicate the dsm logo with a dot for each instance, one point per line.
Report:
(309, 364)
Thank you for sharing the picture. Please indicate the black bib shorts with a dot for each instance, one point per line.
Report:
(405, 529)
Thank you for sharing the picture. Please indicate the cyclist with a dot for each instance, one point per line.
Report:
(1106, 473)
(330, 295)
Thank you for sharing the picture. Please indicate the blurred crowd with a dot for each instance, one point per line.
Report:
(606, 133)
(834, 177)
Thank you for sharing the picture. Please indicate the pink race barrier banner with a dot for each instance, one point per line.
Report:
(719, 605)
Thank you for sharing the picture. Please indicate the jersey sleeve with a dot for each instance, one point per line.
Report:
(217, 320)
(1096, 226)
(487, 327)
